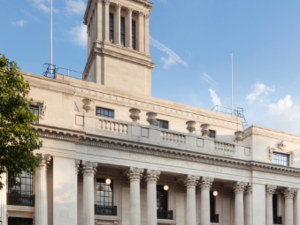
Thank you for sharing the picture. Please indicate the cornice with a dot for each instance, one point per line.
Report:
(83, 138)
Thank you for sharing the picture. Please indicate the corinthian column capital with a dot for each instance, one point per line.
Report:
(270, 189)
(239, 187)
(135, 174)
(289, 193)
(206, 183)
(105, 2)
(89, 168)
(44, 161)
(152, 176)
(191, 180)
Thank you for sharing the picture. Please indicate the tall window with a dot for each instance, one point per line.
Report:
(162, 124)
(280, 159)
(104, 194)
(19, 221)
(276, 219)
(214, 218)
(108, 113)
(122, 31)
(23, 184)
(133, 35)
(111, 28)
(162, 199)
(35, 110)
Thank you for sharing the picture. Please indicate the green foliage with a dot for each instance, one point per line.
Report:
(17, 139)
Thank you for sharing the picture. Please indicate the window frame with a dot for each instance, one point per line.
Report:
(133, 34)
(277, 161)
(37, 108)
(111, 27)
(162, 122)
(122, 31)
(102, 108)
(23, 177)
(212, 136)
(98, 179)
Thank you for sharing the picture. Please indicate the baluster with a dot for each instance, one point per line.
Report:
(123, 129)
(101, 124)
(119, 127)
(115, 126)
(126, 129)
(105, 125)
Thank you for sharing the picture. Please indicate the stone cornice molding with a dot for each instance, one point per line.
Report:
(206, 183)
(190, 180)
(135, 173)
(89, 168)
(289, 193)
(239, 187)
(270, 189)
(152, 176)
(44, 161)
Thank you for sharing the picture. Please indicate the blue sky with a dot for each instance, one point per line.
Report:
(191, 43)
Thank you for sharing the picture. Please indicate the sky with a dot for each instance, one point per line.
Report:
(191, 42)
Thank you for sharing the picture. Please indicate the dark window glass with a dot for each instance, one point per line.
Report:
(214, 218)
(111, 28)
(162, 198)
(108, 113)
(104, 193)
(22, 184)
(122, 31)
(280, 159)
(133, 35)
(162, 123)
(35, 110)
(276, 219)
(19, 221)
(212, 134)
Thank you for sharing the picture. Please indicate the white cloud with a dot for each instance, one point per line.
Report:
(78, 35)
(75, 7)
(173, 57)
(285, 109)
(206, 78)
(20, 23)
(44, 6)
(214, 98)
(259, 89)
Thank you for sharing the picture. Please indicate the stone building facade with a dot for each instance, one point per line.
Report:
(114, 155)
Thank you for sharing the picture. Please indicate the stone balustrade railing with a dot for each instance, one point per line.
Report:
(113, 126)
(224, 147)
(173, 137)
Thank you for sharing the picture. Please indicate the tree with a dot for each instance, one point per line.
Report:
(17, 139)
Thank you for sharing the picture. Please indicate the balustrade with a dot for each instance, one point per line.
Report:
(19, 199)
(173, 137)
(113, 126)
(224, 147)
(165, 214)
(106, 210)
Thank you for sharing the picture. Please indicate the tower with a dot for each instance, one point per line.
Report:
(118, 45)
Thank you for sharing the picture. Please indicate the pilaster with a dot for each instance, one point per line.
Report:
(239, 189)
(152, 176)
(205, 185)
(270, 190)
(191, 182)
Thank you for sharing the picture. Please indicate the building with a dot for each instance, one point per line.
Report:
(112, 154)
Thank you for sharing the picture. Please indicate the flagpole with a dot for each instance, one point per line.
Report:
(51, 38)
(232, 83)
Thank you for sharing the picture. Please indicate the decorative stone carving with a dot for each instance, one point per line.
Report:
(191, 126)
(105, 2)
(89, 168)
(77, 166)
(44, 161)
(135, 114)
(239, 135)
(88, 104)
(270, 189)
(141, 14)
(206, 183)
(191, 180)
(152, 175)
(118, 6)
(129, 10)
(289, 193)
(239, 187)
(205, 129)
(135, 174)
(147, 16)
(248, 189)
(281, 148)
(151, 118)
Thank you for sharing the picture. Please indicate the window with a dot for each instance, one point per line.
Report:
(280, 159)
(108, 113)
(122, 31)
(212, 134)
(162, 123)
(19, 221)
(277, 219)
(214, 218)
(133, 35)
(111, 28)
(35, 110)
(162, 198)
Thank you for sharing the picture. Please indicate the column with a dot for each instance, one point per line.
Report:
(190, 182)
(289, 211)
(152, 176)
(99, 16)
(270, 189)
(106, 19)
(248, 205)
(141, 32)
(41, 194)
(3, 210)
(117, 25)
(239, 189)
(205, 185)
(135, 174)
(128, 29)
(88, 171)
(146, 27)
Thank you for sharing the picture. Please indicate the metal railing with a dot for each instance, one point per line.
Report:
(277, 220)
(19, 199)
(18, 221)
(165, 214)
(105, 210)
(214, 218)
(68, 72)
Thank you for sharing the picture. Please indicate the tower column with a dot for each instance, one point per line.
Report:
(141, 39)
(89, 171)
(99, 21)
(248, 205)
(135, 174)
(289, 212)
(205, 185)
(128, 29)
(106, 4)
(117, 25)
(152, 177)
(270, 189)
(41, 194)
(190, 182)
(146, 27)
(239, 189)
